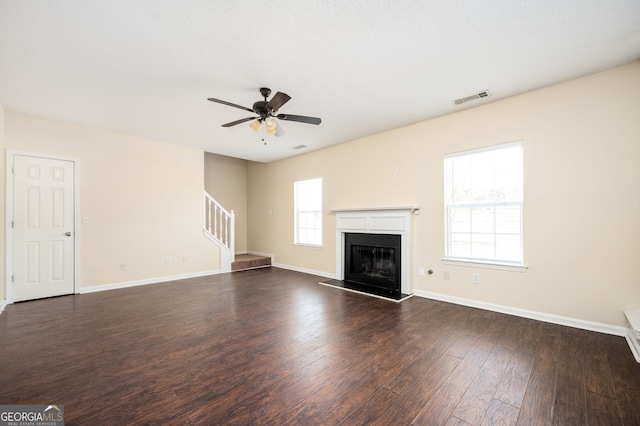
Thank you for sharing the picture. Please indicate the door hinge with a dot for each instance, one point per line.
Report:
(11, 278)
(12, 224)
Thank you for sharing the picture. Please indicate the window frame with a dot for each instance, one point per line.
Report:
(296, 215)
(484, 262)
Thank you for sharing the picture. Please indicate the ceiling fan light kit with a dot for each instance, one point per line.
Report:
(255, 125)
(270, 124)
(267, 112)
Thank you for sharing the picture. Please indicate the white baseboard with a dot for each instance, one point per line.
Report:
(293, 268)
(3, 303)
(146, 281)
(539, 316)
(634, 343)
(305, 270)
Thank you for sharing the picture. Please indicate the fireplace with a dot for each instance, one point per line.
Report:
(382, 266)
(373, 261)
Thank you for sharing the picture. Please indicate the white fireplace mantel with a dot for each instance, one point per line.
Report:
(381, 220)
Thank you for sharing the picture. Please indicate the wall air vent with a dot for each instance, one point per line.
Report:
(473, 97)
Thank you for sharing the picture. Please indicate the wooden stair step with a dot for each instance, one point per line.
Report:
(250, 261)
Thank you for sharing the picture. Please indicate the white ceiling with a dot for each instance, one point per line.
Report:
(146, 67)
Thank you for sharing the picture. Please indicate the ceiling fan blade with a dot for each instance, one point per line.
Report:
(277, 101)
(300, 118)
(229, 104)
(242, 120)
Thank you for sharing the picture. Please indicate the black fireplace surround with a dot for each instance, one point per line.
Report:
(372, 263)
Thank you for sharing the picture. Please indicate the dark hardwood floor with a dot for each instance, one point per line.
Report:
(274, 347)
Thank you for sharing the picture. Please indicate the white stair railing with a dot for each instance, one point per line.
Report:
(219, 225)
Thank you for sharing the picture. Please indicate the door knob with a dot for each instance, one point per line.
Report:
(68, 234)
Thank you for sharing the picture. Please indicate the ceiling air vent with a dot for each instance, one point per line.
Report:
(473, 97)
(299, 147)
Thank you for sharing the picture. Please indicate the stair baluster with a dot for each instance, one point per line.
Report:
(219, 226)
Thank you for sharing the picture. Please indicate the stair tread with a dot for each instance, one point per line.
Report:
(250, 261)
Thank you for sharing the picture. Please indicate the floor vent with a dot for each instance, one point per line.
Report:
(479, 95)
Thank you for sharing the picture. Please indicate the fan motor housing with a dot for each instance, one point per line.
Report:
(260, 108)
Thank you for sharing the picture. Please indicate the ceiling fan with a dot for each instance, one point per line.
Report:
(267, 111)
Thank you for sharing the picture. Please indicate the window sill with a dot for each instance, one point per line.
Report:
(310, 246)
(487, 265)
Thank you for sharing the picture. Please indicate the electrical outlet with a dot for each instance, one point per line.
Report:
(476, 278)
(123, 266)
(167, 261)
(446, 275)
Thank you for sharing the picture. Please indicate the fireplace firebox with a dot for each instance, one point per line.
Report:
(372, 261)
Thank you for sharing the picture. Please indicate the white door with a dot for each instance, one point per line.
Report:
(43, 227)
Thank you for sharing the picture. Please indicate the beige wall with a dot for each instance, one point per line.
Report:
(582, 196)
(143, 198)
(225, 178)
(2, 210)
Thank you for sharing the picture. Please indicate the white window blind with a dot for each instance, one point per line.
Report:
(483, 204)
(308, 212)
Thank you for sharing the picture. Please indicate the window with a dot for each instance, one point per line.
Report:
(483, 205)
(308, 212)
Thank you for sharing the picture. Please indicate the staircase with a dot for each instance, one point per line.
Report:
(250, 261)
(219, 227)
